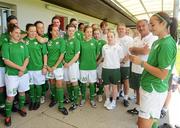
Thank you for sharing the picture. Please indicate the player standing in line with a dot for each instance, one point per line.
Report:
(112, 55)
(100, 44)
(56, 50)
(88, 65)
(125, 42)
(44, 38)
(16, 57)
(71, 66)
(37, 67)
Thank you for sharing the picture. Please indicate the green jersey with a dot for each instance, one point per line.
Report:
(36, 53)
(100, 44)
(88, 55)
(55, 48)
(72, 48)
(45, 35)
(15, 52)
(3, 39)
(79, 35)
(163, 56)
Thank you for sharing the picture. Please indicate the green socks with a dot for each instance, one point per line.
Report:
(53, 92)
(35, 93)
(92, 91)
(32, 93)
(38, 92)
(83, 91)
(100, 91)
(2, 98)
(155, 125)
(76, 94)
(21, 102)
(8, 108)
(70, 91)
(60, 97)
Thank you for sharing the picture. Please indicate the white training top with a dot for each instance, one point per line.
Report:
(138, 42)
(112, 54)
(125, 42)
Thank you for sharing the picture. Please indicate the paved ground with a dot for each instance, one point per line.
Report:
(85, 117)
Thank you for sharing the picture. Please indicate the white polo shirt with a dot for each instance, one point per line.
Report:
(125, 42)
(112, 55)
(138, 42)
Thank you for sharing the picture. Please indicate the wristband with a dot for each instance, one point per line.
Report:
(142, 64)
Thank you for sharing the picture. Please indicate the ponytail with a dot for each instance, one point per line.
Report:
(173, 28)
(171, 23)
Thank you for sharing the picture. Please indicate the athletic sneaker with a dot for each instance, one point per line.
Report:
(126, 103)
(7, 121)
(163, 113)
(100, 98)
(42, 99)
(133, 111)
(2, 106)
(82, 103)
(107, 102)
(121, 94)
(22, 112)
(111, 106)
(73, 107)
(93, 103)
(63, 111)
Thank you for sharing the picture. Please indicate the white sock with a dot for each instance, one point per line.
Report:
(165, 109)
(114, 102)
(126, 97)
(107, 99)
(138, 108)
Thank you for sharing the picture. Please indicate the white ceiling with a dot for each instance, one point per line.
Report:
(143, 9)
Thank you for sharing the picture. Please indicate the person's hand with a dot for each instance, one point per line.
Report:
(44, 71)
(66, 65)
(131, 51)
(20, 73)
(23, 68)
(49, 69)
(135, 59)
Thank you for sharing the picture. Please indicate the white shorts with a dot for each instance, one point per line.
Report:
(88, 76)
(99, 71)
(36, 77)
(14, 83)
(72, 73)
(56, 74)
(151, 104)
(2, 76)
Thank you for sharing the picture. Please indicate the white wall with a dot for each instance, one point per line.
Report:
(28, 11)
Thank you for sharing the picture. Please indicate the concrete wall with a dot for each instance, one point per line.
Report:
(28, 11)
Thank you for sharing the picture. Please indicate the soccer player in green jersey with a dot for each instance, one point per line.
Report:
(71, 66)
(16, 57)
(157, 69)
(37, 66)
(44, 39)
(56, 50)
(78, 34)
(88, 65)
(100, 44)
